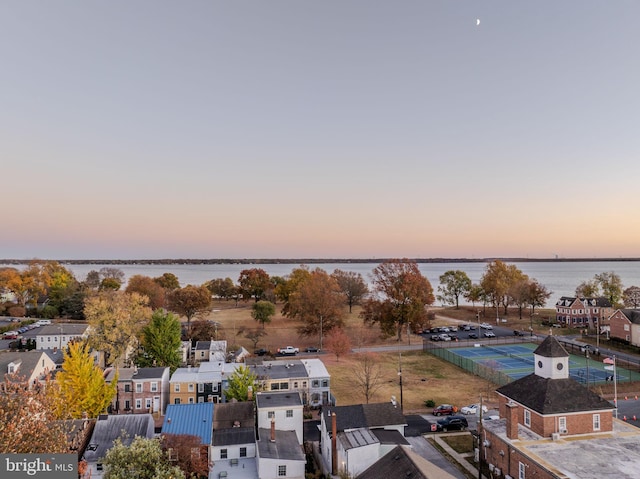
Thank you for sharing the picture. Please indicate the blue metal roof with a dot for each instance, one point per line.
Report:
(194, 419)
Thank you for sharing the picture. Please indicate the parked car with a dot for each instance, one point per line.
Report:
(486, 326)
(489, 334)
(10, 335)
(444, 337)
(466, 327)
(518, 333)
(473, 336)
(312, 349)
(43, 322)
(450, 423)
(444, 410)
(261, 352)
(453, 328)
(288, 351)
(587, 349)
(472, 409)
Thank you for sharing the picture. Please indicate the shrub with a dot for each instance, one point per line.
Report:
(430, 403)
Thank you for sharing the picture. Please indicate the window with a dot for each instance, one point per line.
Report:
(127, 388)
(127, 405)
(154, 387)
(284, 385)
(596, 422)
(176, 401)
(191, 401)
(200, 398)
(527, 418)
(176, 387)
(315, 383)
(295, 384)
(138, 403)
(521, 470)
(223, 453)
(282, 471)
(138, 387)
(626, 327)
(271, 414)
(147, 403)
(289, 412)
(200, 387)
(243, 452)
(325, 383)
(190, 387)
(214, 387)
(304, 384)
(275, 386)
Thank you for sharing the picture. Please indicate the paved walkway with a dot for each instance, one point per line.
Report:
(460, 458)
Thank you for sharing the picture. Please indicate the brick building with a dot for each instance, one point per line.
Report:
(624, 324)
(575, 312)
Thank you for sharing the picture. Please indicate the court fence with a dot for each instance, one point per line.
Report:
(446, 351)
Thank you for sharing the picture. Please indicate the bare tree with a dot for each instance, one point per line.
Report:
(367, 376)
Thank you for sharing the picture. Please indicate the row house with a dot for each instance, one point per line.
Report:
(210, 351)
(140, 390)
(551, 426)
(193, 420)
(624, 324)
(574, 312)
(309, 377)
(59, 335)
(201, 384)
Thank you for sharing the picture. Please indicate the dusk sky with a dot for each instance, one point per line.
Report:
(324, 129)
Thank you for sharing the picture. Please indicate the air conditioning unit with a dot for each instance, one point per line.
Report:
(491, 467)
(497, 472)
(563, 431)
(487, 443)
(555, 436)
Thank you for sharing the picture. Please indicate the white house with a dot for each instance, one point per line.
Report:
(284, 409)
(58, 335)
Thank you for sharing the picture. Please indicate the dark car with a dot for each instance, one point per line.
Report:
(517, 333)
(443, 410)
(312, 349)
(473, 336)
(261, 352)
(451, 423)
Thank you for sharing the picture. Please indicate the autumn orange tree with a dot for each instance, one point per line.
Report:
(186, 452)
(254, 283)
(148, 287)
(80, 388)
(402, 297)
(498, 278)
(189, 301)
(317, 303)
(338, 343)
(27, 422)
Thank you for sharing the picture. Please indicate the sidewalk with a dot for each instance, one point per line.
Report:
(460, 458)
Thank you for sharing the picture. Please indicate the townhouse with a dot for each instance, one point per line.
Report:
(140, 390)
(574, 312)
(624, 324)
(58, 335)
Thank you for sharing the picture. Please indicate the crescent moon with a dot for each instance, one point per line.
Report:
(477, 21)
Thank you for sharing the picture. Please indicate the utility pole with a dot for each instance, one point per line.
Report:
(480, 440)
(400, 377)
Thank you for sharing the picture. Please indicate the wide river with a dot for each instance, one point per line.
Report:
(561, 278)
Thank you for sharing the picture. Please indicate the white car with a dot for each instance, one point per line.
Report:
(472, 409)
(486, 326)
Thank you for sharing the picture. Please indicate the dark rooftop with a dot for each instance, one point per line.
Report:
(551, 348)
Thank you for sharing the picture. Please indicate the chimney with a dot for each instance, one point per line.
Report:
(250, 393)
(512, 421)
(334, 444)
(273, 430)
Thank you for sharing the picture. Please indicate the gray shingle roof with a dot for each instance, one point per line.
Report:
(226, 414)
(365, 415)
(632, 315)
(109, 428)
(282, 399)
(234, 436)
(394, 464)
(551, 348)
(553, 396)
(286, 445)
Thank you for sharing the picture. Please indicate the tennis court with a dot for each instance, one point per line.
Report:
(516, 361)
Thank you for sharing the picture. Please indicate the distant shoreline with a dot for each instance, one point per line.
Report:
(309, 260)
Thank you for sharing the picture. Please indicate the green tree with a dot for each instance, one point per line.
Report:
(453, 284)
(475, 294)
(611, 285)
(254, 283)
(588, 289)
(262, 312)
(161, 341)
(116, 319)
(290, 284)
(189, 301)
(168, 281)
(352, 285)
(80, 386)
(496, 281)
(402, 297)
(143, 459)
(538, 295)
(318, 304)
(239, 382)
(222, 288)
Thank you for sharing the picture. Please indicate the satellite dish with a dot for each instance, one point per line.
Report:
(477, 22)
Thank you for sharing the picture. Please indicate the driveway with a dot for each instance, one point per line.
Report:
(425, 449)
